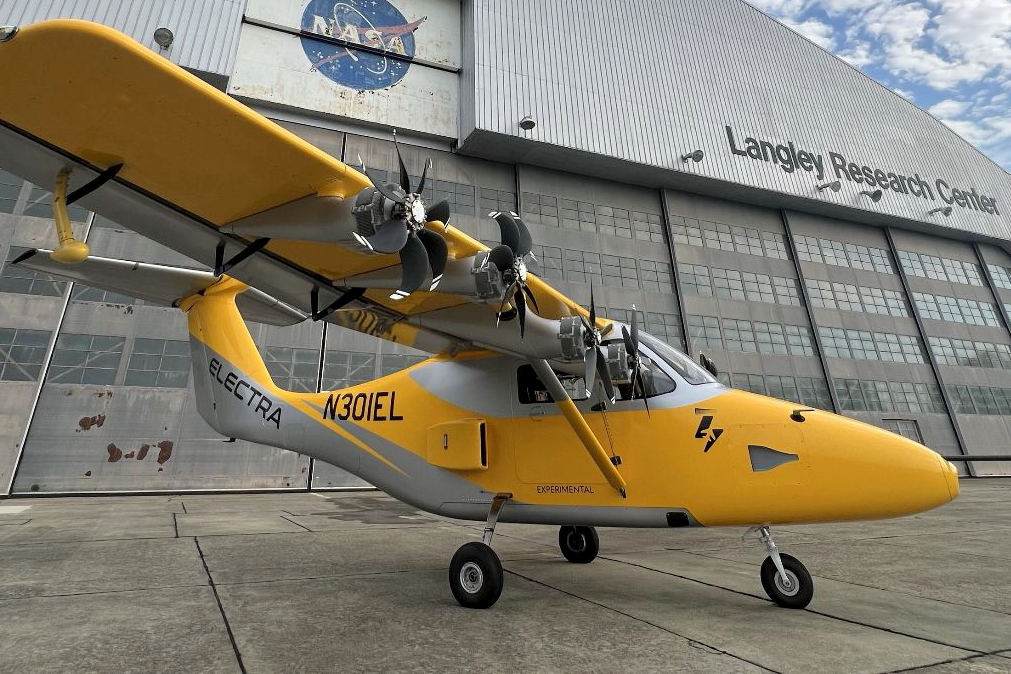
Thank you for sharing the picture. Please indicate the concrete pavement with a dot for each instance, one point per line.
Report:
(356, 582)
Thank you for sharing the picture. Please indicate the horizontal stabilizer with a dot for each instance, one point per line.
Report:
(157, 284)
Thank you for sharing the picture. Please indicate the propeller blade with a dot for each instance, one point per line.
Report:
(635, 328)
(501, 256)
(505, 298)
(390, 237)
(437, 251)
(379, 185)
(424, 174)
(405, 179)
(605, 376)
(439, 212)
(533, 300)
(414, 260)
(509, 230)
(642, 388)
(521, 309)
(526, 240)
(630, 346)
(593, 310)
(590, 365)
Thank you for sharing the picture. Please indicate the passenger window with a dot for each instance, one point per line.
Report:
(532, 391)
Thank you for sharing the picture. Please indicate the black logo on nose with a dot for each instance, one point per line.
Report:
(714, 435)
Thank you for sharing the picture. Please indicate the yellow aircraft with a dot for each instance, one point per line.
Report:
(532, 410)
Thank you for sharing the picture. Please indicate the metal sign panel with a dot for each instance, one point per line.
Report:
(388, 62)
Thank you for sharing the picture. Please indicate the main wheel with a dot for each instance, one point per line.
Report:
(475, 575)
(580, 545)
(796, 590)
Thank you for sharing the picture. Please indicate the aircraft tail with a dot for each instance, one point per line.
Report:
(235, 393)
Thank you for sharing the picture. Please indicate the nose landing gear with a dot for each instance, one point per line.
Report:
(475, 574)
(579, 544)
(785, 579)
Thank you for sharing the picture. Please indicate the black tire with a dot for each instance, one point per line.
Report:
(475, 576)
(801, 589)
(580, 545)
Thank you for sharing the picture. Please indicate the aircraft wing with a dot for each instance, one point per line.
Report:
(157, 150)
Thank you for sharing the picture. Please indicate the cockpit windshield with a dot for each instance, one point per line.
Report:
(682, 364)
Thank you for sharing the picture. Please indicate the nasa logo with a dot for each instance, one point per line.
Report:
(371, 23)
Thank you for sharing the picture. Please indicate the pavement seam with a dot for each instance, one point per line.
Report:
(287, 519)
(942, 662)
(872, 587)
(175, 524)
(221, 608)
(807, 610)
(642, 620)
(92, 592)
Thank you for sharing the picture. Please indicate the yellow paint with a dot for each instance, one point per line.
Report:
(592, 445)
(70, 251)
(846, 470)
(457, 445)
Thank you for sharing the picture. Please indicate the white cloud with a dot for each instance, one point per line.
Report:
(781, 8)
(858, 55)
(948, 108)
(820, 33)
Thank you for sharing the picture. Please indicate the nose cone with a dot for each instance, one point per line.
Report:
(950, 476)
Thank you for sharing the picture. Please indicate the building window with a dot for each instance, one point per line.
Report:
(739, 335)
(747, 240)
(695, 280)
(541, 209)
(942, 268)
(342, 369)
(1000, 275)
(718, 236)
(798, 337)
(27, 282)
(10, 188)
(395, 362)
(896, 303)
(834, 252)
(549, 262)
(86, 359)
(686, 231)
(834, 342)
(757, 287)
(907, 428)
(292, 369)
(861, 344)
(846, 296)
(497, 200)
(770, 338)
(163, 363)
(619, 272)
(787, 291)
(582, 266)
(83, 293)
(22, 353)
(656, 276)
(647, 226)
(820, 293)
(578, 215)
(775, 245)
(727, 284)
(704, 331)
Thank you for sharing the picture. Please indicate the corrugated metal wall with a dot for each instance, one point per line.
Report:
(206, 31)
(646, 82)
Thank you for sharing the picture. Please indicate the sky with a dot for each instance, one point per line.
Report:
(950, 57)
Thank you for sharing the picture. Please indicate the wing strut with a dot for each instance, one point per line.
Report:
(220, 266)
(579, 425)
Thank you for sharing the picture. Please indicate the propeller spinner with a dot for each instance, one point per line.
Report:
(397, 217)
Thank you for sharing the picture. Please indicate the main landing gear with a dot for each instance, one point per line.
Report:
(785, 579)
(475, 574)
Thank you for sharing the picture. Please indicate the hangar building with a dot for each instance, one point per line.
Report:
(751, 195)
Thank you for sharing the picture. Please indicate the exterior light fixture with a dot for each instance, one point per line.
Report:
(875, 195)
(834, 186)
(164, 37)
(7, 32)
(528, 123)
(695, 156)
(944, 210)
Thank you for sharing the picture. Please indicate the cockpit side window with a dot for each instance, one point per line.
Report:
(682, 364)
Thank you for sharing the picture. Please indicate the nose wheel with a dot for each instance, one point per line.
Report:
(580, 545)
(475, 574)
(785, 579)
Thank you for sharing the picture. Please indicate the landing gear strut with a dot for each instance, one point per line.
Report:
(785, 579)
(579, 544)
(475, 574)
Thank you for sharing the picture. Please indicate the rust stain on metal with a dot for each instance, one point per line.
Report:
(115, 453)
(142, 452)
(164, 451)
(87, 423)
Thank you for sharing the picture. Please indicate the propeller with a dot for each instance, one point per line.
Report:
(594, 361)
(510, 259)
(634, 359)
(397, 217)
